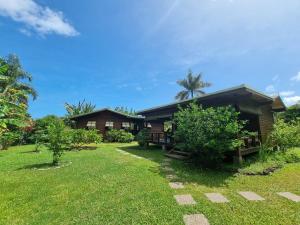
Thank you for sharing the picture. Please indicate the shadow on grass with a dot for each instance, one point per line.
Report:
(39, 166)
(31, 152)
(185, 171)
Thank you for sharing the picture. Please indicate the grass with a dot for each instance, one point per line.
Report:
(103, 186)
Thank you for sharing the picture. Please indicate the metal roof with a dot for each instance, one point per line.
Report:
(240, 87)
(110, 110)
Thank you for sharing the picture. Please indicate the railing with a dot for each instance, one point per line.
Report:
(160, 138)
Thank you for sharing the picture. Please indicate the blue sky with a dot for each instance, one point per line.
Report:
(130, 53)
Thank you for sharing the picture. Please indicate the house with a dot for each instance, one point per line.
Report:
(105, 119)
(255, 107)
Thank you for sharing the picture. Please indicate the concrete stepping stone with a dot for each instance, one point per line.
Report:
(171, 176)
(251, 196)
(168, 169)
(184, 199)
(176, 185)
(135, 156)
(168, 160)
(196, 219)
(216, 197)
(290, 196)
(165, 164)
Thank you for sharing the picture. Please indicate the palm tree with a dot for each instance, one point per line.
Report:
(193, 86)
(14, 78)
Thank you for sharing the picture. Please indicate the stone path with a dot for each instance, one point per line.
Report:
(185, 199)
(168, 169)
(290, 196)
(251, 196)
(196, 219)
(176, 185)
(216, 197)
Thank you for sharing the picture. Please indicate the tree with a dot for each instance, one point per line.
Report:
(125, 110)
(193, 86)
(13, 96)
(80, 108)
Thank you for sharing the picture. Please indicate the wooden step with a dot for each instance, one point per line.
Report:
(175, 156)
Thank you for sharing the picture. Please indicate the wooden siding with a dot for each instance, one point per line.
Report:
(101, 118)
(266, 121)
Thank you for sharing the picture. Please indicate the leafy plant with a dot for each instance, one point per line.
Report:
(80, 137)
(284, 135)
(121, 136)
(58, 140)
(208, 133)
(7, 139)
(143, 137)
(125, 110)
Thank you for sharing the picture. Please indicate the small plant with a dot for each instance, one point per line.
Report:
(57, 140)
(7, 139)
(143, 137)
(121, 136)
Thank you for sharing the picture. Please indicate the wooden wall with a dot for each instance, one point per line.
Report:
(266, 121)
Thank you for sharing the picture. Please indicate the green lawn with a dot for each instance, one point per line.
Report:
(104, 186)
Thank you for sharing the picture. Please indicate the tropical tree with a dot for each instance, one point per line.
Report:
(13, 98)
(81, 108)
(125, 110)
(192, 85)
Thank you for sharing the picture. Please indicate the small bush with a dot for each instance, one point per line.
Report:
(58, 139)
(284, 135)
(143, 137)
(121, 136)
(7, 139)
(80, 137)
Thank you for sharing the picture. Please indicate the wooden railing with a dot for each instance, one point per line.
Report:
(160, 138)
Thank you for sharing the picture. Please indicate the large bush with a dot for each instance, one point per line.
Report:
(208, 133)
(121, 136)
(143, 137)
(80, 137)
(285, 135)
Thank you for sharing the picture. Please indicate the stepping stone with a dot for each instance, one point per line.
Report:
(135, 156)
(196, 219)
(185, 200)
(168, 160)
(176, 185)
(216, 197)
(251, 196)
(165, 164)
(290, 196)
(171, 176)
(168, 169)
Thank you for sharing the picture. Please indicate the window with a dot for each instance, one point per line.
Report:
(109, 124)
(149, 125)
(125, 124)
(91, 124)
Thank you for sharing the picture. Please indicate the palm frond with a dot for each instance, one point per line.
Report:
(182, 95)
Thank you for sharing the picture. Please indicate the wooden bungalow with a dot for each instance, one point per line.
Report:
(105, 119)
(255, 107)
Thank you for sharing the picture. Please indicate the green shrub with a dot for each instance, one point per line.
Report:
(143, 137)
(57, 139)
(7, 139)
(208, 133)
(284, 135)
(121, 136)
(80, 137)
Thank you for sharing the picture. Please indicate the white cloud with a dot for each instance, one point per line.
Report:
(270, 88)
(291, 100)
(286, 93)
(39, 18)
(296, 78)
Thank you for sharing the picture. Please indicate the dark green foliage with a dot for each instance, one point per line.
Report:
(7, 139)
(143, 137)
(284, 135)
(291, 114)
(80, 108)
(193, 86)
(80, 137)
(121, 136)
(208, 133)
